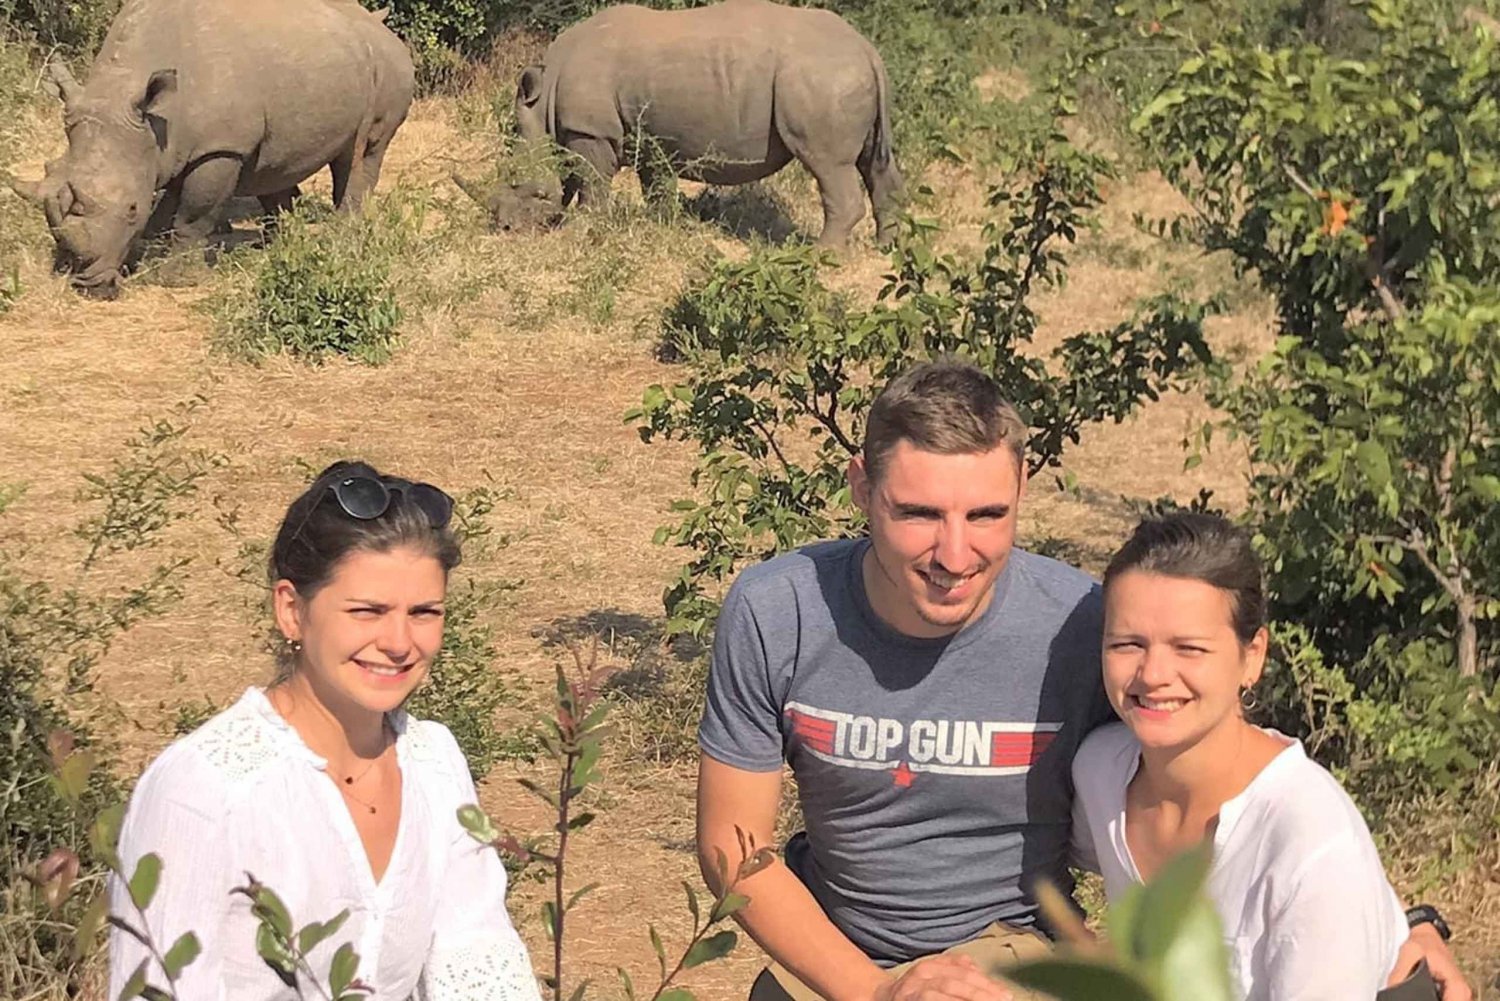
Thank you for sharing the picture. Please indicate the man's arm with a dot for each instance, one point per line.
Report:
(1425, 943)
(785, 919)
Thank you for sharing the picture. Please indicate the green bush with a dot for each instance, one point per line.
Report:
(1364, 194)
(321, 289)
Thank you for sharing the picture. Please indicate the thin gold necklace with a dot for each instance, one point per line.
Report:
(349, 780)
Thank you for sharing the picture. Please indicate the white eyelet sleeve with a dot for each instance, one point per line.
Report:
(176, 812)
(476, 954)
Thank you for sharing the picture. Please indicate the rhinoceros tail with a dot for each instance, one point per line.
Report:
(880, 138)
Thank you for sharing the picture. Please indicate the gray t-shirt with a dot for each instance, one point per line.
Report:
(934, 774)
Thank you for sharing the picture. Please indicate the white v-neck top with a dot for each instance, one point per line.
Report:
(243, 793)
(1307, 912)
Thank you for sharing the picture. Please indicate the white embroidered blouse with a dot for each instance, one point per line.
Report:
(243, 793)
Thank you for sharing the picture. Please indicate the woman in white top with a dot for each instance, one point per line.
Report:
(321, 787)
(1296, 880)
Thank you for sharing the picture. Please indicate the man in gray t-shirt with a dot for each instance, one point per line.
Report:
(928, 686)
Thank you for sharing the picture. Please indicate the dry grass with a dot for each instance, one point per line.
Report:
(520, 383)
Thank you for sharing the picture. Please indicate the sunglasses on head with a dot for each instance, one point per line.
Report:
(366, 497)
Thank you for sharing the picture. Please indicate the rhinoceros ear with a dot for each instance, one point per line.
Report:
(530, 89)
(161, 83)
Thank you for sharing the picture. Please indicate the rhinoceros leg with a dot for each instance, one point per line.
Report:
(883, 182)
(843, 201)
(202, 192)
(280, 201)
(590, 186)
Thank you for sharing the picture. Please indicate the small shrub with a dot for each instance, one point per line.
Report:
(319, 290)
(142, 490)
(23, 232)
(75, 27)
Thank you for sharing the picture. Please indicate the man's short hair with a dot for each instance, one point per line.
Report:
(948, 407)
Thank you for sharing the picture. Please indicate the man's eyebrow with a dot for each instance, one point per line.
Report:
(916, 509)
(990, 511)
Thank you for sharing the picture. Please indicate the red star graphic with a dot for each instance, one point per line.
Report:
(903, 776)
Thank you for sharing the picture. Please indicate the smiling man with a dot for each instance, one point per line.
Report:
(928, 686)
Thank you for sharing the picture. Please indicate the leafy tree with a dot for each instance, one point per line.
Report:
(1364, 194)
(782, 371)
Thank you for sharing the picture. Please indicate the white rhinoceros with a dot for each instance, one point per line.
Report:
(206, 99)
(731, 93)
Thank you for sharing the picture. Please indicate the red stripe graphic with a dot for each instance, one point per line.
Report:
(1015, 750)
(815, 733)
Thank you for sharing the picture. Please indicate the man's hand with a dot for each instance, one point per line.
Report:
(1425, 943)
(942, 978)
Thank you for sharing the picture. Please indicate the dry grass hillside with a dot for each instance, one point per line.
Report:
(519, 356)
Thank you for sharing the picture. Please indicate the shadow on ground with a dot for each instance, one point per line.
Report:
(749, 211)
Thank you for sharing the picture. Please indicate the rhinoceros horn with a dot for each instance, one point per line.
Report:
(381, 14)
(29, 190)
(64, 85)
(470, 188)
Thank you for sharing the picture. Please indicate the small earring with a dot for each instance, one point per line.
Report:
(295, 645)
(1248, 701)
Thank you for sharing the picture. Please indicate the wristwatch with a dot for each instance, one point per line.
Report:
(1426, 913)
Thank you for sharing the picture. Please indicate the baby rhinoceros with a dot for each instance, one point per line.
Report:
(730, 93)
(202, 100)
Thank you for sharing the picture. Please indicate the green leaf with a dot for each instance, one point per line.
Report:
(659, 949)
(183, 952)
(87, 931)
(274, 951)
(143, 884)
(580, 821)
(715, 946)
(1374, 464)
(549, 919)
(579, 894)
(1167, 902)
(731, 903)
(135, 984)
(104, 834)
(269, 910)
(577, 994)
(343, 969)
(677, 994)
(478, 824)
(310, 937)
(692, 902)
(72, 779)
(151, 993)
(1079, 979)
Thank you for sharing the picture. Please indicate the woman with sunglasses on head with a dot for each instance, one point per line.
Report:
(1307, 912)
(321, 787)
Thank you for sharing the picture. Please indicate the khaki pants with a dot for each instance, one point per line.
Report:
(996, 948)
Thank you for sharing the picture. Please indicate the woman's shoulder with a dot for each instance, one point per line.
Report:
(1301, 810)
(431, 746)
(234, 746)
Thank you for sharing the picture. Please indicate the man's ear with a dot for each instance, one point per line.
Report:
(859, 483)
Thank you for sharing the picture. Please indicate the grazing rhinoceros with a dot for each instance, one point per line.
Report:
(731, 93)
(206, 99)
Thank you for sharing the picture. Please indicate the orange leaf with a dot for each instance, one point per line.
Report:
(1335, 218)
